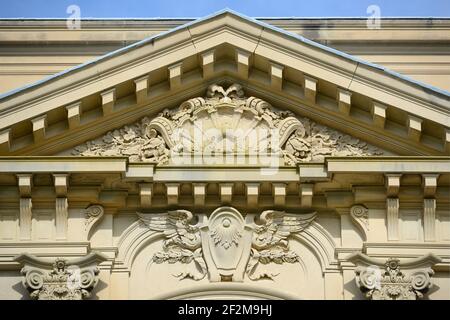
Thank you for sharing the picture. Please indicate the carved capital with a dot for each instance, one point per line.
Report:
(393, 279)
(94, 214)
(60, 279)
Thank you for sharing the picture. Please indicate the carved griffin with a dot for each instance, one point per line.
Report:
(270, 244)
(182, 241)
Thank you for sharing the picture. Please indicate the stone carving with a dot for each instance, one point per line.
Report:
(137, 141)
(269, 243)
(94, 213)
(182, 243)
(225, 233)
(225, 122)
(225, 245)
(226, 258)
(60, 279)
(394, 280)
(360, 216)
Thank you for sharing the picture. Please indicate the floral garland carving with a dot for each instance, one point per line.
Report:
(157, 140)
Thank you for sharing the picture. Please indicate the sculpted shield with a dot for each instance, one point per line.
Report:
(227, 242)
(225, 245)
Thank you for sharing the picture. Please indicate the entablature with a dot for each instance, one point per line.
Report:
(117, 183)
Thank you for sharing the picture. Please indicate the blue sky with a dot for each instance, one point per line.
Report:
(200, 8)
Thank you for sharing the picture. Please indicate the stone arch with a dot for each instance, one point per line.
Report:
(220, 291)
(320, 242)
(138, 243)
(132, 241)
(136, 236)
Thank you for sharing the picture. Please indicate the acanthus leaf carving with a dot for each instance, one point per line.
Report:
(225, 244)
(225, 122)
(394, 279)
(140, 142)
(60, 279)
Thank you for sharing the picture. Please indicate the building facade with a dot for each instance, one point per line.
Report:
(225, 157)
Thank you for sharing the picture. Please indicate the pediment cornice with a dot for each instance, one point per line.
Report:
(146, 77)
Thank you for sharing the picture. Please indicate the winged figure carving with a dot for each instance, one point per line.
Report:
(270, 240)
(182, 241)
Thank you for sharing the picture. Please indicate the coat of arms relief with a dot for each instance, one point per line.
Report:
(225, 122)
(226, 245)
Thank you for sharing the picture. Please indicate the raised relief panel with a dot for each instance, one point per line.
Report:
(270, 241)
(226, 246)
(182, 242)
(44, 224)
(410, 225)
(226, 242)
(429, 183)
(24, 182)
(8, 225)
(225, 126)
(444, 226)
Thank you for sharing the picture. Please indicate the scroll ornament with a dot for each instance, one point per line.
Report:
(64, 281)
(360, 216)
(93, 215)
(225, 122)
(393, 283)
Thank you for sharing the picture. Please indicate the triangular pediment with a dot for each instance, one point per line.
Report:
(289, 72)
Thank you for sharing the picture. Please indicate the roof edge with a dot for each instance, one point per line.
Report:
(387, 71)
